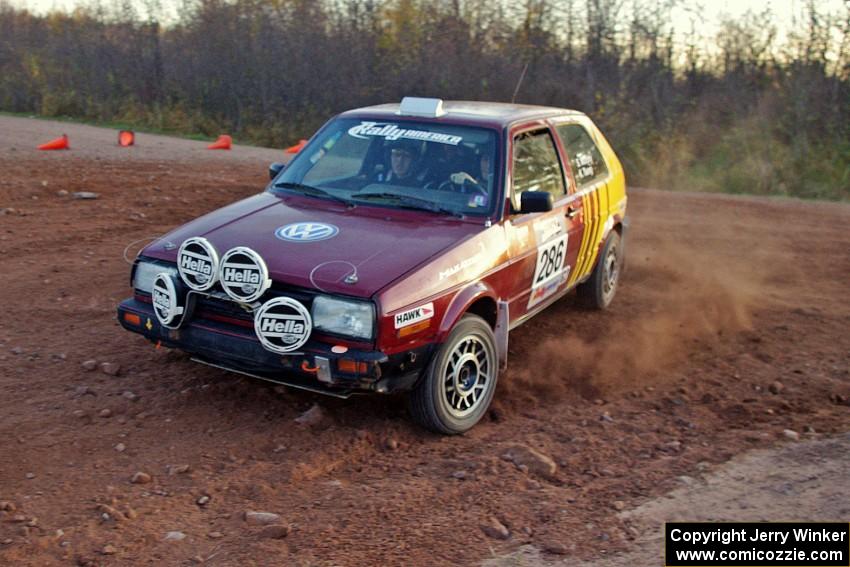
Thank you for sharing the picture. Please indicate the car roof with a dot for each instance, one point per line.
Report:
(474, 113)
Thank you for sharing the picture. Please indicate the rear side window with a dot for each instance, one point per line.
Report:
(585, 158)
(536, 165)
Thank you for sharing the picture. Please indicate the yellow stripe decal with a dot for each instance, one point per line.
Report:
(585, 238)
(604, 212)
(596, 228)
(597, 235)
(600, 226)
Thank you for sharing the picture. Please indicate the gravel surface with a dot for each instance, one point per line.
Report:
(800, 482)
(729, 331)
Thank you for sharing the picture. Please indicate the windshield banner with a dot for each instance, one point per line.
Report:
(393, 132)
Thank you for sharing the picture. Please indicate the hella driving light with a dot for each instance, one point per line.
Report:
(169, 302)
(146, 272)
(350, 318)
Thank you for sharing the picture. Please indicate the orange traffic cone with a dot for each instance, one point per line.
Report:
(297, 147)
(126, 138)
(223, 143)
(57, 144)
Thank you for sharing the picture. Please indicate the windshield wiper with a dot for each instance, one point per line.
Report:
(408, 202)
(313, 191)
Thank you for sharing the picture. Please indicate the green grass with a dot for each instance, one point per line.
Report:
(748, 158)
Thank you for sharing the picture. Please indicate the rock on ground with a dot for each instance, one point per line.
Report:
(178, 469)
(260, 518)
(311, 417)
(536, 462)
(496, 529)
(140, 478)
(110, 368)
(274, 531)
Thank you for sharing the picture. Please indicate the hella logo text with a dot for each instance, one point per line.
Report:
(195, 265)
(161, 299)
(241, 276)
(270, 325)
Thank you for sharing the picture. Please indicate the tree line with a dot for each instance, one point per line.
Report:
(744, 110)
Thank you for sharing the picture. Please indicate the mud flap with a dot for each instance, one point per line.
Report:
(624, 224)
(501, 332)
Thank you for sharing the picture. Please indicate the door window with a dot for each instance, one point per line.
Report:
(536, 165)
(585, 158)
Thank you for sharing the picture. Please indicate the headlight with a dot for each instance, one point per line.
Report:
(343, 317)
(146, 272)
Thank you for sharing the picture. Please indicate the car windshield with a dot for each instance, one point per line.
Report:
(444, 169)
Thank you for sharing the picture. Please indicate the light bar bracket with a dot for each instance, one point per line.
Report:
(416, 106)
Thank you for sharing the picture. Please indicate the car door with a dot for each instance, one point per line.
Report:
(542, 246)
(591, 174)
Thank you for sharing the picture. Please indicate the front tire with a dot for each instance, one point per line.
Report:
(460, 381)
(598, 291)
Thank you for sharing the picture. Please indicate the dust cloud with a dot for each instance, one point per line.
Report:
(672, 301)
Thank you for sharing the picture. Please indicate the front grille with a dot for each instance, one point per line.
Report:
(303, 295)
(217, 306)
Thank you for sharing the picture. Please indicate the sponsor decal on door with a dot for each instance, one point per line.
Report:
(550, 273)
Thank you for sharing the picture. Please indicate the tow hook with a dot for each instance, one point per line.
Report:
(322, 370)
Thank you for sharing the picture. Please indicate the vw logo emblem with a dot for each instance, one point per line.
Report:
(306, 232)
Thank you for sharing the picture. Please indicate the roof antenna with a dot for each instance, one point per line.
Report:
(518, 83)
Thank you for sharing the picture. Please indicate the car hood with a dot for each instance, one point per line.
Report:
(380, 244)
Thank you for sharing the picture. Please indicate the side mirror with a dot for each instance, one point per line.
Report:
(535, 202)
(275, 168)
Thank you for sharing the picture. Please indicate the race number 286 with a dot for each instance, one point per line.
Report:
(550, 259)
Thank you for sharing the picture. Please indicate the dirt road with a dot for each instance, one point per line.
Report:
(731, 326)
(797, 482)
(19, 136)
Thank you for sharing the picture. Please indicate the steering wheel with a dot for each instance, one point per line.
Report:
(450, 185)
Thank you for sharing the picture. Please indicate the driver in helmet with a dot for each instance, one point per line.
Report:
(403, 154)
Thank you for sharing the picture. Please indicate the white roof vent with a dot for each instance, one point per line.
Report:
(416, 106)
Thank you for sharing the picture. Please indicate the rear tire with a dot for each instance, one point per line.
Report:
(598, 291)
(460, 380)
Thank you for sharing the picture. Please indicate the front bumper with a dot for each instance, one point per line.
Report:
(315, 367)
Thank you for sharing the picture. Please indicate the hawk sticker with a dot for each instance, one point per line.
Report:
(411, 316)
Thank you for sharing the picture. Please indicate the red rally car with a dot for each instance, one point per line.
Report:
(395, 252)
